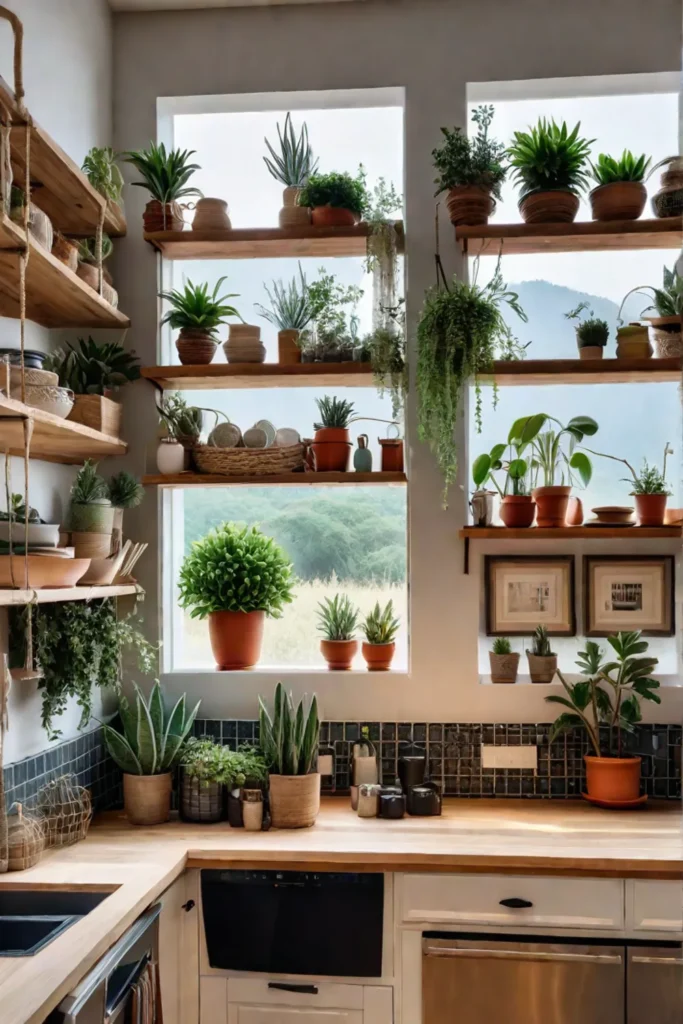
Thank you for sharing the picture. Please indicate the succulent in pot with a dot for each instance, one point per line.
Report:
(204, 771)
(165, 174)
(591, 332)
(471, 171)
(289, 739)
(235, 576)
(620, 193)
(335, 199)
(332, 442)
(380, 628)
(542, 659)
(293, 165)
(184, 423)
(504, 661)
(337, 621)
(665, 327)
(290, 311)
(146, 749)
(91, 514)
(88, 268)
(550, 166)
(197, 313)
(606, 705)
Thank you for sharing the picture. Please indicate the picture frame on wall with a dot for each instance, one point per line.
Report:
(523, 592)
(630, 592)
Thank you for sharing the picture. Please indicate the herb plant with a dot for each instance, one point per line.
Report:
(196, 309)
(463, 161)
(102, 172)
(87, 249)
(381, 625)
(540, 643)
(550, 158)
(291, 308)
(152, 738)
(627, 167)
(247, 768)
(294, 164)
(339, 190)
(93, 368)
(165, 173)
(125, 491)
(501, 645)
(337, 618)
(334, 412)
(89, 488)
(206, 761)
(289, 739)
(591, 330)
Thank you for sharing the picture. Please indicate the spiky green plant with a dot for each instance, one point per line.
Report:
(550, 158)
(195, 308)
(627, 167)
(294, 164)
(381, 625)
(501, 645)
(289, 738)
(152, 739)
(337, 618)
(125, 491)
(103, 173)
(334, 412)
(470, 161)
(89, 488)
(339, 190)
(540, 643)
(184, 422)
(667, 300)
(93, 368)
(165, 174)
(87, 249)
(291, 308)
(650, 480)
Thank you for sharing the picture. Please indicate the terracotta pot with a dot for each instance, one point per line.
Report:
(665, 335)
(292, 215)
(288, 352)
(620, 200)
(147, 798)
(613, 778)
(162, 217)
(333, 217)
(470, 204)
(574, 512)
(551, 505)
(650, 509)
(339, 653)
(542, 667)
(211, 215)
(236, 638)
(331, 449)
(392, 454)
(195, 347)
(517, 510)
(552, 207)
(504, 667)
(294, 800)
(378, 657)
(591, 351)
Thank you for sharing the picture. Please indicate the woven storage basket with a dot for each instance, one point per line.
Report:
(66, 811)
(249, 461)
(199, 801)
(26, 840)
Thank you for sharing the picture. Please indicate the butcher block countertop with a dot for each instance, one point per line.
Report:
(138, 864)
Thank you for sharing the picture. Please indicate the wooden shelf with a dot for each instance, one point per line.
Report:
(53, 595)
(583, 371)
(282, 479)
(55, 296)
(264, 243)
(59, 186)
(570, 533)
(54, 439)
(584, 236)
(217, 376)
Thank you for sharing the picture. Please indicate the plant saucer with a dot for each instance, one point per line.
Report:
(616, 805)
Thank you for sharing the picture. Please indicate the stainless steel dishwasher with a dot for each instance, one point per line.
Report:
(654, 984)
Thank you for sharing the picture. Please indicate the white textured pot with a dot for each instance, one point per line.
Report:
(170, 457)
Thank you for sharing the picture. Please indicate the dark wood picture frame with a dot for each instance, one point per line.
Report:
(490, 561)
(669, 603)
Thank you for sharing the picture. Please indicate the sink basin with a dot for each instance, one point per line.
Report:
(32, 918)
(24, 936)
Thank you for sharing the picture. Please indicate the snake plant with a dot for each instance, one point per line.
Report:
(294, 164)
(165, 174)
(289, 738)
(334, 412)
(151, 740)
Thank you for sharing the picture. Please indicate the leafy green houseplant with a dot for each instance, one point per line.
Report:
(92, 368)
(165, 174)
(472, 171)
(335, 199)
(289, 739)
(337, 621)
(204, 771)
(517, 507)
(667, 304)
(504, 661)
(620, 193)
(334, 332)
(380, 628)
(550, 165)
(591, 332)
(542, 659)
(236, 576)
(331, 446)
(606, 705)
(103, 173)
(90, 510)
(197, 313)
(649, 487)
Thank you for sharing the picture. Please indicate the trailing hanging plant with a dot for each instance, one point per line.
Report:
(102, 172)
(386, 346)
(294, 164)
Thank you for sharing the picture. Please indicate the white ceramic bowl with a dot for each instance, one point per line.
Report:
(42, 535)
(57, 401)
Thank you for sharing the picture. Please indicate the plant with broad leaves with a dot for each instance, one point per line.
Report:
(667, 300)
(381, 625)
(152, 738)
(478, 161)
(165, 173)
(337, 618)
(550, 464)
(102, 172)
(517, 469)
(294, 164)
(608, 169)
(289, 738)
(195, 308)
(550, 158)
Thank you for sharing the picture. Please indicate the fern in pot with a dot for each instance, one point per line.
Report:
(292, 164)
(289, 738)
(91, 514)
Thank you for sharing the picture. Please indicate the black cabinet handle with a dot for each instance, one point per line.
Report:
(516, 904)
(283, 986)
(187, 907)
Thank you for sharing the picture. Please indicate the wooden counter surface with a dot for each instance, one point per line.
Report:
(137, 864)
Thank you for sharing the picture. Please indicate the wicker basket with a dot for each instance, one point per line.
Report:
(249, 461)
(199, 801)
(26, 840)
(66, 811)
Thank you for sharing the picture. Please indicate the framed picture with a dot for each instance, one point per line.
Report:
(629, 593)
(522, 593)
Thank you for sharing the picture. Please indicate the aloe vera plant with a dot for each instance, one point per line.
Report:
(165, 173)
(152, 739)
(289, 738)
(294, 164)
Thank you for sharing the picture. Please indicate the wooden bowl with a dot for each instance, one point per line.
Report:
(44, 571)
(615, 515)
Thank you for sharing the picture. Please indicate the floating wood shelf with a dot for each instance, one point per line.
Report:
(264, 243)
(570, 533)
(217, 376)
(282, 479)
(55, 296)
(54, 439)
(583, 371)
(52, 595)
(584, 236)
(59, 186)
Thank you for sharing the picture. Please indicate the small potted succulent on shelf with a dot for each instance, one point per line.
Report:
(91, 514)
(289, 740)
(335, 200)
(337, 621)
(606, 704)
(125, 491)
(235, 576)
(380, 628)
(146, 749)
(542, 659)
(204, 771)
(665, 327)
(165, 175)
(620, 193)
(331, 446)
(293, 166)
(550, 165)
(504, 661)
(471, 171)
(291, 312)
(591, 332)
(197, 314)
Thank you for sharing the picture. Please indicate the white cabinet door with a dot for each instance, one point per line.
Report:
(655, 906)
(179, 951)
(290, 1015)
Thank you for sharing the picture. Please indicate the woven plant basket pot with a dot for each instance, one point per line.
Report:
(469, 204)
(166, 217)
(26, 841)
(249, 461)
(504, 667)
(91, 545)
(147, 798)
(552, 207)
(200, 801)
(292, 215)
(542, 667)
(620, 200)
(195, 347)
(98, 412)
(288, 352)
(211, 215)
(665, 335)
(294, 800)
(91, 518)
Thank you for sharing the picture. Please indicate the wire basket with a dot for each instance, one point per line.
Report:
(26, 840)
(66, 810)
(199, 800)
(249, 461)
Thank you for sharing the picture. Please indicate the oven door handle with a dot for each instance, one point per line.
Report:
(460, 953)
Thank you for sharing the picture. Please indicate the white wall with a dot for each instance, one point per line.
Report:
(432, 48)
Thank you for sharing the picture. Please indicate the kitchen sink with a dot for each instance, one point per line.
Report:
(31, 918)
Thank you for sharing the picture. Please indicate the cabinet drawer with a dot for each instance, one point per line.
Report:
(253, 1014)
(328, 995)
(656, 906)
(477, 900)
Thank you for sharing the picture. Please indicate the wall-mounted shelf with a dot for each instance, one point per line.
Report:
(527, 372)
(282, 479)
(217, 376)
(264, 243)
(54, 439)
(53, 595)
(570, 532)
(584, 236)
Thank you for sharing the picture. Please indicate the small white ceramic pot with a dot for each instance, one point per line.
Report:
(170, 456)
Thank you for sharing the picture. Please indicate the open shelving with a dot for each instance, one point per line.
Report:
(54, 439)
(583, 371)
(280, 479)
(581, 236)
(505, 533)
(258, 375)
(52, 595)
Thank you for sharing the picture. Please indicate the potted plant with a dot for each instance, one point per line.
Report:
(650, 489)
(607, 704)
(472, 171)
(337, 621)
(591, 332)
(104, 174)
(39, 224)
(620, 193)
(380, 628)
(542, 660)
(125, 491)
(66, 251)
(550, 166)
(235, 576)
(204, 771)
(248, 771)
(665, 328)
(517, 507)
(165, 175)
(633, 342)
(91, 515)
(332, 442)
(504, 661)
(333, 337)
(88, 268)
(554, 470)
(291, 312)
(146, 749)
(335, 200)
(289, 741)
(197, 314)
(293, 165)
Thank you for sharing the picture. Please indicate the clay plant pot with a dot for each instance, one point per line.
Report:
(650, 509)
(378, 657)
(65, 251)
(288, 352)
(620, 200)
(331, 449)
(333, 217)
(294, 800)
(668, 200)
(236, 638)
(633, 342)
(195, 347)
(551, 505)
(339, 653)
(162, 216)
(244, 344)
(551, 207)
(542, 667)
(211, 215)
(591, 352)
(292, 215)
(470, 204)
(147, 798)
(504, 667)
(613, 779)
(517, 510)
(665, 335)
(574, 512)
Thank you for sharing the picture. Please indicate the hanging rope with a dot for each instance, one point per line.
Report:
(18, 30)
(98, 249)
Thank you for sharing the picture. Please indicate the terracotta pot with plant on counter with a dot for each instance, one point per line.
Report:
(331, 448)
(542, 659)
(504, 661)
(380, 628)
(471, 170)
(165, 174)
(292, 164)
(550, 165)
(620, 193)
(197, 314)
(290, 311)
(337, 621)
(335, 200)
(289, 739)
